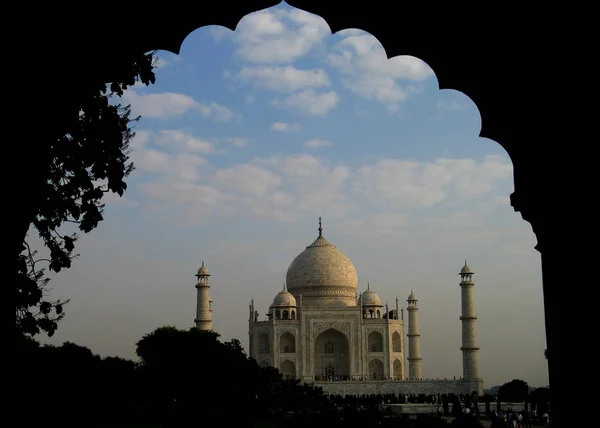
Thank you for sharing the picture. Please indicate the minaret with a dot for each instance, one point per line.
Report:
(251, 320)
(203, 310)
(469, 347)
(414, 339)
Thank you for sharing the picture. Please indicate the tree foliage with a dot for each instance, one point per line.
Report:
(188, 367)
(186, 378)
(514, 391)
(90, 159)
(183, 363)
(540, 399)
(33, 312)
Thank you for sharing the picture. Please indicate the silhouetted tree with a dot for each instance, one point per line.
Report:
(88, 160)
(514, 391)
(183, 375)
(33, 313)
(73, 374)
(186, 371)
(540, 399)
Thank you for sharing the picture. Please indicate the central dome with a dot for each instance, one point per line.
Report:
(323, 275)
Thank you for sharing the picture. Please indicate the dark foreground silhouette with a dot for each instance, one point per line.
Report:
(188, 378)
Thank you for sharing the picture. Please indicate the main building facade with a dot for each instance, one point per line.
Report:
(319, 329)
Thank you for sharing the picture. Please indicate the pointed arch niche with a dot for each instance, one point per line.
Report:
(397, 370)
(396, 342)
(287, 343)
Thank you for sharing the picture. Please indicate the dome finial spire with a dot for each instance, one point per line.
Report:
(320, 226)
(368, 285)
(284, 286)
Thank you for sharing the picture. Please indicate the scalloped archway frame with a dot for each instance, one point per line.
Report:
(494, 56)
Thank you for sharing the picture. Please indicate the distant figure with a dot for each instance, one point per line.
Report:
(546, 419)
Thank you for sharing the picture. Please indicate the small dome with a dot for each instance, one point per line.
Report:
(370, 298)
(284, 298)
(412, 297)
(203, 270)
(466, 269)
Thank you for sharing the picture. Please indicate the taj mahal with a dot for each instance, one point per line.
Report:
(320, 330)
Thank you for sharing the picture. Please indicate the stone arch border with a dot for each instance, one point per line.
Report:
(466, 53)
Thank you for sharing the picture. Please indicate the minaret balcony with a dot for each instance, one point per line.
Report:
(469, 348)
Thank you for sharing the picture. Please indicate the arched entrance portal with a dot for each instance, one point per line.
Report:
(332, 355)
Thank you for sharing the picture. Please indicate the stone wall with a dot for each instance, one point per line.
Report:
(396, 387)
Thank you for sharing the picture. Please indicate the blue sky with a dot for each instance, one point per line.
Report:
(247, 137)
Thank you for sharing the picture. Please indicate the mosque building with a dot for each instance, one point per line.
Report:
(320, 330)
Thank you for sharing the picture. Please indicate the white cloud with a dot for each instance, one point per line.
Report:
(316, 143)
(414, 184)
(495, 203)
(160, 62)
(177, 167)
(316, 186)
(180, 140)
(169, 104)
(197, 197)
(175, 179)
(284, 79)
(382, 225)
(180, 165)
(236, 141)
(140, 140)
(165, 105)
(456, 220)
(370, 74)
(280, 188)
(215, 111)
(247, 178)
(450, 105)
(285, 187)
(286, 127)
(278, 36)
(310, 102)
(219, 33)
